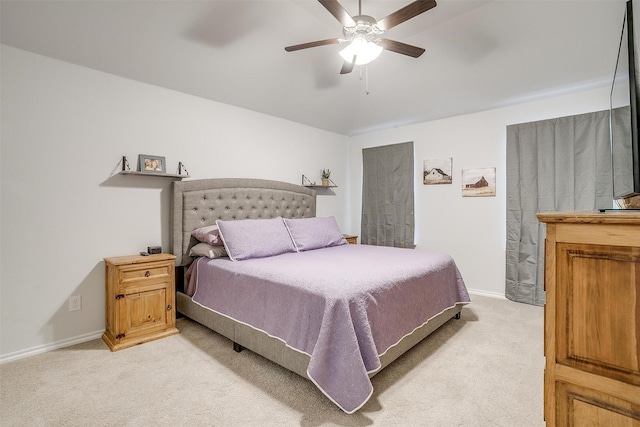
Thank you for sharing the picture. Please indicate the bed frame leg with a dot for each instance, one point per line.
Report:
(237, 347)
(457, 316)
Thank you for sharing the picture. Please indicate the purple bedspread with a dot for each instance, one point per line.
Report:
(344, 305)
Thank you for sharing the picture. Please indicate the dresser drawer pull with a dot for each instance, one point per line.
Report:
(120, 296)
(147, 274)
(168, 307)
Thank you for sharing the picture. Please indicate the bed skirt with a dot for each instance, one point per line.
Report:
(278, 352)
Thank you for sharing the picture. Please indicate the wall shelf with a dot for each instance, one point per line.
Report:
(126, 171)
(306, 182)
(164, 175)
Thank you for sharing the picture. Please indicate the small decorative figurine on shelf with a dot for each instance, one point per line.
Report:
(326, 173)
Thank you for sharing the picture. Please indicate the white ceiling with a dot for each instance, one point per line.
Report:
(479, 54)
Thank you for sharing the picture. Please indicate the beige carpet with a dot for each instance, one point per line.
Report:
(482, 370)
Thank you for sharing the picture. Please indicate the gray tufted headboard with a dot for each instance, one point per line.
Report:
(201, 202)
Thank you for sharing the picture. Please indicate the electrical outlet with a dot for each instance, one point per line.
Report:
(75, 302)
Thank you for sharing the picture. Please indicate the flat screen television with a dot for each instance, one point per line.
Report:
(625, 102)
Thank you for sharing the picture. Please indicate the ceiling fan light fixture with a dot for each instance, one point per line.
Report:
(365, 51)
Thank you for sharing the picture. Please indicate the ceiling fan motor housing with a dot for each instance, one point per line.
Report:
(365, 28)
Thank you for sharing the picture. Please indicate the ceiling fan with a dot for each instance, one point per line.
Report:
(364, 33)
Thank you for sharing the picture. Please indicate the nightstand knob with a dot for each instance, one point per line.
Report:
(147, 274)
(168, 307)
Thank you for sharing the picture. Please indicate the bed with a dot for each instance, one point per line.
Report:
(309, 309)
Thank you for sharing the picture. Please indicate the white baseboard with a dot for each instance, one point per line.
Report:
(93, 335)
(486, 294)
(21, 354)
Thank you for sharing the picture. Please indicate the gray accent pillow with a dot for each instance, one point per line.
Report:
(255, 238)
(207, 250)
(314, 233)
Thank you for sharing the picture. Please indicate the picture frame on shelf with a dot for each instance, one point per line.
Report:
(151, 164)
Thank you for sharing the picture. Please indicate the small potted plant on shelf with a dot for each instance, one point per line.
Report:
(326, 173)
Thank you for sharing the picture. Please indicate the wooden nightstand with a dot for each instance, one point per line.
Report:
(353, 240)
(140, 299)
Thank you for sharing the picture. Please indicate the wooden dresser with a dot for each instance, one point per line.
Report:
(592, 319)
(140, 299)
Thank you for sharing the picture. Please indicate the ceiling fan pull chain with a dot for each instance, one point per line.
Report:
(366, 79)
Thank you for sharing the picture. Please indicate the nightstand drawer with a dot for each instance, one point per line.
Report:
(150, 272)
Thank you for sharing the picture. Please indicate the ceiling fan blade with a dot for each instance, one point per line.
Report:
(311, 44)
(411, 10)
(338, 12)
(347, 67)
(403, 48)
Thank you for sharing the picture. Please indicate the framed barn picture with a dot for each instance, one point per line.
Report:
(479, 182)
(437, 171)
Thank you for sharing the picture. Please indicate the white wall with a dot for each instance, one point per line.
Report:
(64, 130)
(471, 229)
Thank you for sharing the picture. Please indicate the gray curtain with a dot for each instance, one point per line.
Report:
(387, 196)
(561, 164)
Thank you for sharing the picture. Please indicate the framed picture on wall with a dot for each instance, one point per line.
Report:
(437, 171)
(151, 164)
(480, 182)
